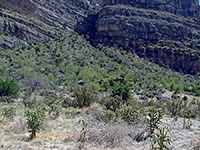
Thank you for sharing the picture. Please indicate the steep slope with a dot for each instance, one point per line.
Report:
(165, 31)
(164, 37)
(27, 21)
(69, 59)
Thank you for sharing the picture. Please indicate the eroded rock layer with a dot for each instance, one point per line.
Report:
(129, 25)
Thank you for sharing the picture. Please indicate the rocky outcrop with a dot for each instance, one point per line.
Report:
(133, 27)
(121, 21)
(178, 60)
(181, 7)
(40, 20)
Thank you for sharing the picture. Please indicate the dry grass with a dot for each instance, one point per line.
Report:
(109, 135)
(64, 132)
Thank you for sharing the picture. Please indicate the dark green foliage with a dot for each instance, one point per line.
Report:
(161, 139)
(113, 103)
(153, 119)
(35, 118)
(84, 96)
(95, 65)
(130, 114)
(197, 90)
(121, 90)
(9, 87)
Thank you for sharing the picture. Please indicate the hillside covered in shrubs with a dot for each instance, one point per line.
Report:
(69, 80)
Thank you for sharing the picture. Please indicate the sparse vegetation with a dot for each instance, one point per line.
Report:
(47, 86)
(8, 112)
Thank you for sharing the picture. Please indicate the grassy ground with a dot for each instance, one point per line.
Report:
(65, 131)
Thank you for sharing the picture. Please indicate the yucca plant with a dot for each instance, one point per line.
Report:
(153, 119)
(161, 140)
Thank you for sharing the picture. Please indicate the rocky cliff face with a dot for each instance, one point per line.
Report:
(39, 20)
(136, 25)
(183, 7)
(133, 27)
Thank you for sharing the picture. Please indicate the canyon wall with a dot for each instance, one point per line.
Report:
(142, 23)
(182, 7)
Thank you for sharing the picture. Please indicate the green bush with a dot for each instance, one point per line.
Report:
(35, 118)
(121, 90)
(130, 114)
(113, 103)
(9, 88)
(106, 116)
(84, 96)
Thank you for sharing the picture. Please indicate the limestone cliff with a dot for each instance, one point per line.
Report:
(183, 7)
(131, 25)
(39, 20)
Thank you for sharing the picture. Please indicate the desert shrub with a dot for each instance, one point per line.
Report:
(106, 116)
(68, 102)
(176, 105)
(112, 103)
(8, 112)
(27, 101)
(161, 140)
(191, 110)
(9, 88)
(130, 114)
(53, 103)
(110, 135)
(121, 90)
(84, 96)
(187, 123)
(7, 99)
(35, 118)
(36, 84)
(153, 119)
